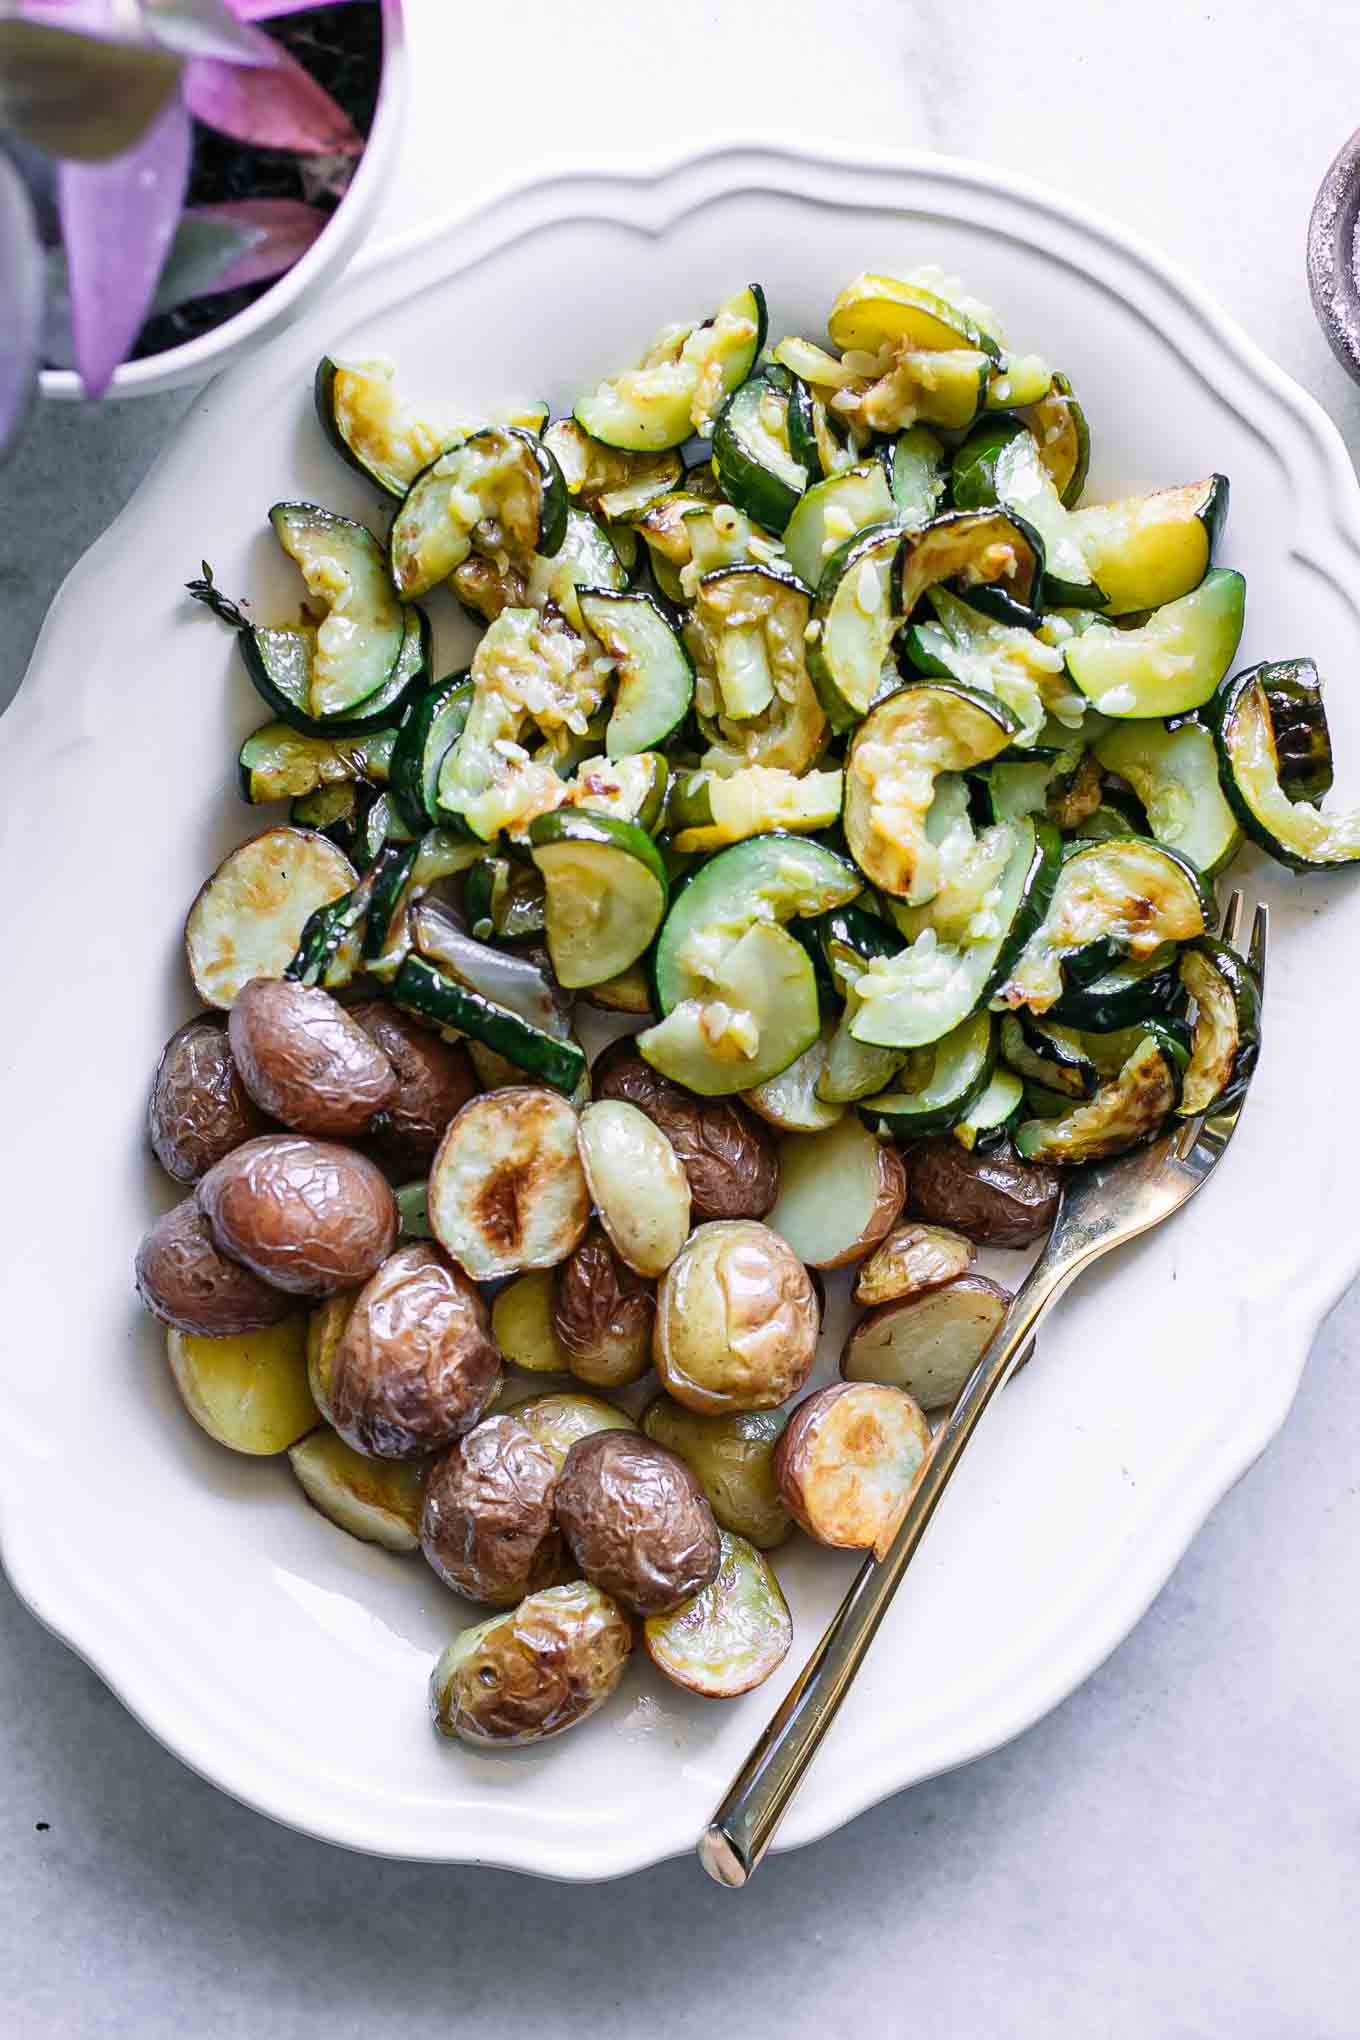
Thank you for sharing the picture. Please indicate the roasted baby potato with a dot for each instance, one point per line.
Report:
(559, 1420)
(306, 1215)
(727, 1154)
(248, 1391)
(636, 1521)
(736, 1320)
(304, 1061)
(732, 1458)
(507, 1190)
(604, 1315)
(416, 1364)
(522, 1677)
(840, 1192)
(927, 1344)
(199, 1110)
(487, 1526)
(848, 1460)
(991, 1195)
(640, 1189)
(789, 1102)
(376, 1500)
(185, 1281)
(731, 1635)
(434, 1078)
(522, 1323)
(325, 1329)
(911, 1260)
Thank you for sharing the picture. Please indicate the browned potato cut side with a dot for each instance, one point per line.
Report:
(603, 1315)
(992, 1196)
(839, 1193)
(522, 1323)
(522, 1677)
(636, 1521)
(736, 1320)
(928, 1345)
(304, 1060)
(248, 918)
(728, 1156)
(789, 1102)
(507, 1190)
(249, 1391)
(306, 1215)
(416, 1364)
(913, 1258)
(848, 1460)
(487, 1525)
(730, 1636)
(186, 1281)
(375, 1500)
(199, 1109)
(639, 1187)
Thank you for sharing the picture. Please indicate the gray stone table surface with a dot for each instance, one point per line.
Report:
(1173, 1852)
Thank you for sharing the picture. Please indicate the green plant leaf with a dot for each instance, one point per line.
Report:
(83, 97)
(208, 28)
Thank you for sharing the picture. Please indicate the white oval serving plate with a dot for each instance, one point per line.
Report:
(277, 1656)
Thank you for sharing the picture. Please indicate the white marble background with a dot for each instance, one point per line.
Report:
(1172, 1855)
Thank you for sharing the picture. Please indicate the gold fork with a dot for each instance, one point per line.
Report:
(1102, 1205)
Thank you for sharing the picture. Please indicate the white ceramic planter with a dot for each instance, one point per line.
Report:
(210, 353)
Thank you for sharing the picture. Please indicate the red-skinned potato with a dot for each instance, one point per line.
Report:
(840, 1193)
(929, 1343)
(304, 1061)
(305, 1215)
(200, 1109)
(848, 1460)
(435, 1079)
(991, 1195)
(728, 1156)
(636, 1521)
(487, 1526)
(603, 1315)
(736, 1320)
(416, 1364)
(185, 1281)
(529, 1674)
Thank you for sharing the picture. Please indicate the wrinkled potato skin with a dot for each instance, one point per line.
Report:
(637, 1521)
(304, 1061)
(487, 1526)
(736, 1320)
(732, 1458)
(185, 1282)
(727, 1153)
(416, 1365)
(993, 1198)
(911, 1261)
(304, 1214)
(603, 1315)
(535, 1672)
(434, 1080)
(200, 1109)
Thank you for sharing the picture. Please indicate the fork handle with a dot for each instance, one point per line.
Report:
(744, 1823)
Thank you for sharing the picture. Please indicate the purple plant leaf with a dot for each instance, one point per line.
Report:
(209, 29)
(270, 10)
(22, 285)
(259, 239)
(117, 222)
(283, 108)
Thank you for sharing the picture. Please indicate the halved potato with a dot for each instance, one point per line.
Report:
(559, 1421)
(249, 1392)
(522, 1324)
(848, 1461)
(789, 1101)
(325, 1329)
(732, 1458)
(377, 1500)
(928, 1345)
(731, 1635)
(913, 1259)
(840, 1192)
(507, 1190)
(638, 1183)
(247, 918)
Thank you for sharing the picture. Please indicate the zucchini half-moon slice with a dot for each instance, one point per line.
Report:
(1226, 1036)
(681, 382)
(874, 312)
(1000, 462)
(995, 558)
(1296, 834)
(898, 753)
(1174, 773)
(1169, 665)
(1145, 551)
(752, 455)
(377, 433)
(1128, 1109)
(360, 641)
(501, 484)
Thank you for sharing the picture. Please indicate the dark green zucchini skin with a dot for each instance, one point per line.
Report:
(1245, 987)
(1040, 880)
(432, 725)
(802, 431)
(1122, 997)
(390, 870)
(850, 928)
(429, 992)
(1039, 1058)
(323, 395)
(410, 674)
(973, 486)
(325, 933)
(764, 496)
(1290, 687)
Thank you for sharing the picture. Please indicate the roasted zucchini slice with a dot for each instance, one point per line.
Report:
(768, 614)
(356, 648)
(994, 557)
(752, 458)
(1296, 834)
(679, 386)
(937, 1085)
(1118, 900)
(833, 512)
(655, 678)
(1015, 665)
(919, 471)
(1174, 773)
(1050, 1055)
(429, 730)
(898, 753)
(1146, 551)
(758, 1014)
(606, 893)
(708, 812)
(875, 312)
(1000, 462)
(619, 486)
(1128, 1109)
(279, 659)
(278, 762)
(378, 434)
(853, 624)
(1062, 437)
(1172, 663)
(499, 491)
(1226, 1029)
